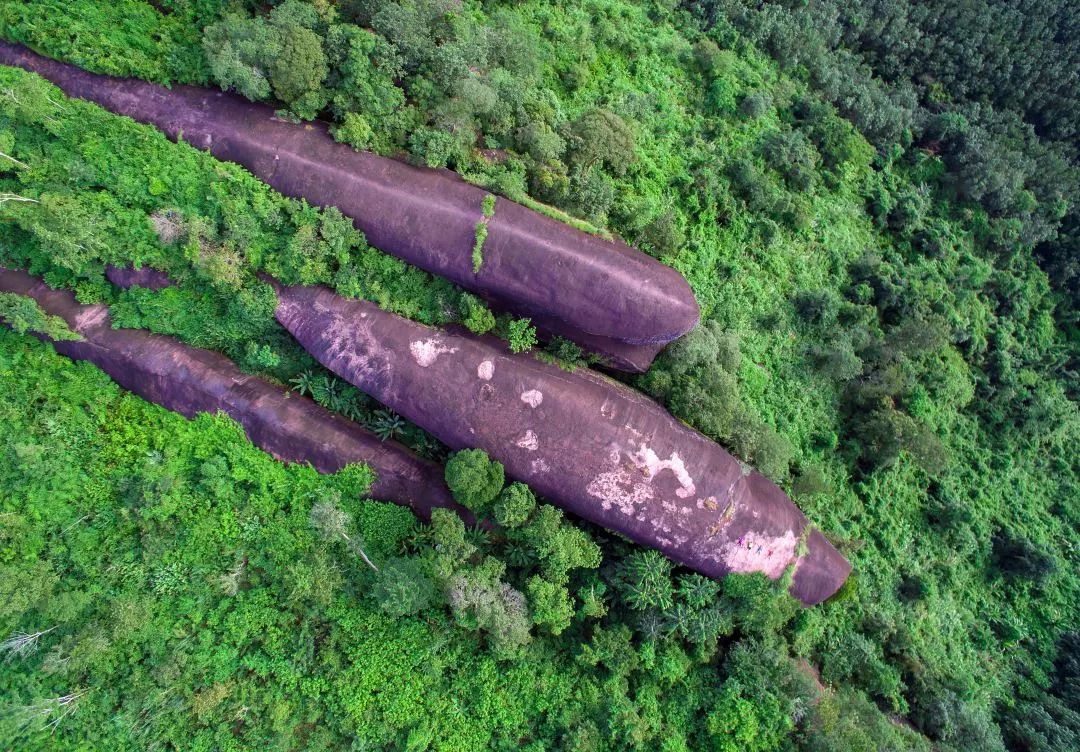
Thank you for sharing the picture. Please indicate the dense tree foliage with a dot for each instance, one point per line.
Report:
(23, 314)
(167, 584)
(859, 196)
(474, 479)
(987, 86)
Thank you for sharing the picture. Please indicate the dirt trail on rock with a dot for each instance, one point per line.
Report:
(587, 443)
(605, 295)
(188, 380)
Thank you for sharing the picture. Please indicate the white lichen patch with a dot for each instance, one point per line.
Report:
(485, 370)
(755, 552)
(620, 488)
(90, 317)
(529, 441)
(539, 466)
(629, 484)
(426, 351)
(648, 460)
(532, 398)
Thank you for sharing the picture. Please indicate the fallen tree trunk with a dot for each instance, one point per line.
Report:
(605, 295)
(188, 380)
(587, 443)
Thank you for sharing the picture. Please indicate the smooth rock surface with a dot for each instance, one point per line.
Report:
(587, 443)
(147, 277)
(188, 380)
(605, 295)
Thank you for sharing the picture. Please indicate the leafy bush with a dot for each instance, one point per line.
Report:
(933, 391)
(521, 335)
(404, 587)
(514, 505)
(23, 314)
(474, 479)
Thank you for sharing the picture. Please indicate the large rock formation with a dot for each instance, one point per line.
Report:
(587, 443)
(148, 277)
(608, 297)
(189, 381)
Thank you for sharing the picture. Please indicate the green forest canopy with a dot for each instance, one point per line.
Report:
(883, 244)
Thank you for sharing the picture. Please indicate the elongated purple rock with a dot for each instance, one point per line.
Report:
(188, 380)
(148, 277)
(605, 295)
(587, 443)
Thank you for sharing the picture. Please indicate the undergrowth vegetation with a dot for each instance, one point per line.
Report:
(878, 336)
(165, 584)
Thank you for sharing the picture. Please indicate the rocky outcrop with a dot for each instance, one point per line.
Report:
(587, 443)
(147, 277)
(190, 381)
(603, 294)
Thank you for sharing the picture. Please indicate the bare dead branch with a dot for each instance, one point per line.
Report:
(22, 644)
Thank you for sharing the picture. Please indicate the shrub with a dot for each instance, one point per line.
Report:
(475, 316)
(514, 505)
(23, 314)
(404, 587)
(478, 246)
(521, 335)
(849, 721)
(474, 479)
(550, 603)
(647, 580)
